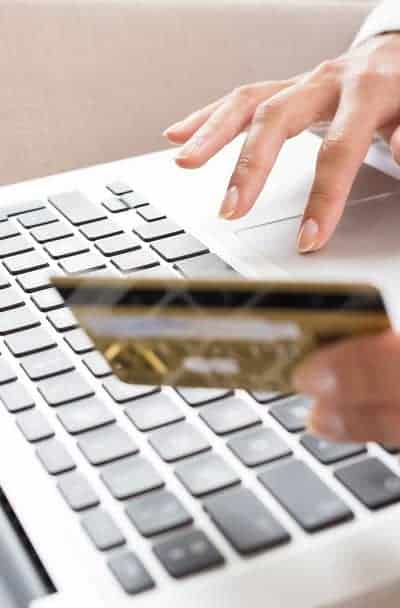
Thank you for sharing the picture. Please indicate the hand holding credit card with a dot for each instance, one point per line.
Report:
(208, 333)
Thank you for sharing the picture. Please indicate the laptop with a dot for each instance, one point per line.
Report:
(123, 495)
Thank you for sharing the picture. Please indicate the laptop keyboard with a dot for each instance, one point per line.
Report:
(69, 234)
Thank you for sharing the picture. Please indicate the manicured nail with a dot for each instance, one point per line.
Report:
(318, 381)
(174, 127)
(308, 234)
(192, 146)
(229, 203)
(327, 424)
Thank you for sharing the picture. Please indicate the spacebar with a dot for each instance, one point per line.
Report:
(76, 207)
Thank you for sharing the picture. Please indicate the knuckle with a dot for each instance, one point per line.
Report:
(244, 94)
(269, 111)
(335, 146)
(248, 164)
(330, 69)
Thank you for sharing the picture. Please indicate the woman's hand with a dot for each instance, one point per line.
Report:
(357, 389)
(359, 93)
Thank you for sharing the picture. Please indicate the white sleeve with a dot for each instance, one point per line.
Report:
(385, 18)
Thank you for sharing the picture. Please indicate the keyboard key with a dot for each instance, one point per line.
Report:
(4, 280)
(79, 341)
(122, 392)
(205, 266)
(23, 207)
(391, 449)
(102, 530)
(29, 341)
(34, 425)
(63, 389)
(51, 232)
(266, 396)
(76, 207)
(178, 441)
(372, 482)
(130, 477)
(179, 248)
(84, 415)
(114, 205)
(187, 554)
(205, 474)
(154, 411)
(230, 415)
(77, 492)
(106, 444)
(10, 298)
(259, 447)
(40, 217)
(116, 245)
(151, 213)
(130, 573)
(85, 262)
(292, 412)
(97, 365)
(62, 319)
(135, 260)
(201, 396)
(245, 522)
(7, 374)
(328, 452)
(48, 299)
(64, 248)
(301, 492)
(7, 230)
(14, 245)
(15, 397)
(37, 280)
(17, 320)
(54, 457)
(46, 364)
(118, 188)
(133, 200)
(152, 231)
(100, 229)
(157, 512)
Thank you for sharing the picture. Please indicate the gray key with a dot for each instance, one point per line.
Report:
(7, 374)
(100, 229)
(14, 245)
(154, 411)
(51, 232)
(102, 530)
(130, 573)
(23, 207)
(151, 213)
(372, 482)
(152, 231)
(62, 319)
(84, 262)
(17, 320)
(97, 365)
(34, 425)
(178, 441)
(84, 415)
(157, 272)
(116, 245)
(79, 341)
(179, 248)
(15, 397)
(259, 447)
(301, 492)
(328, 452)
(118, 188)
(187, 554)
(122, 392)
(266, 396)
(7, 230)
(47, 364)
(10, 298)
(4, 280)
(114, 205)
(230, 415)
(37, 280)
(245, 521)
(134, 200)
(135, 260)
(29, 341)
(107, 444)
(130, 477)
(37, 218)
(25, 262)
(205, 474)
(63, 389)
(77, 491)
(205, 266)
(64, 248)
(76, 207)
(292, 412)
(54, 457)
(156, 513)
(201, 396)
(48, 299)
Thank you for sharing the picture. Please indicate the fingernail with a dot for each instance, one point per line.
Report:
(307, 236)
(191, 147)
(169, 130)
(229, 203)
(316, 381)
(328, 425)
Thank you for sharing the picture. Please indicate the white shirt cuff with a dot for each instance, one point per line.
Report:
(385, 18)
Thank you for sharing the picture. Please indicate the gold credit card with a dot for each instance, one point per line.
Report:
(208, 333)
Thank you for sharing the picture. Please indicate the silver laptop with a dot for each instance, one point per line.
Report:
(122, 495)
